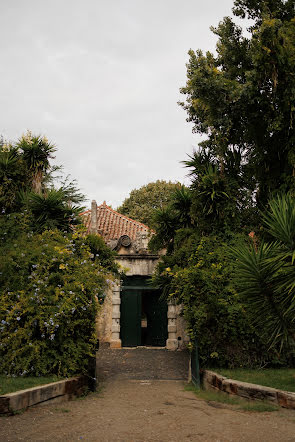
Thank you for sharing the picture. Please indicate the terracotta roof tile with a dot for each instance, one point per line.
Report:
(111, 224)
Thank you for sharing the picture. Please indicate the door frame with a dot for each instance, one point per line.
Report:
(116, 342)
(135, 293)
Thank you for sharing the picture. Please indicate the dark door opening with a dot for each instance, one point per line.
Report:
(143, 314)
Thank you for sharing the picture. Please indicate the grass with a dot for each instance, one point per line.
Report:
(236, 402)
(213, 396)
(281, 378)
(11, 384)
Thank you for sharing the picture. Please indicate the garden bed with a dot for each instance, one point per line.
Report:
(11, 384)
(281, 378)
(248, 390)
(58, 391)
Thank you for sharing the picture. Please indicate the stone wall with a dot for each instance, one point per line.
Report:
(182, 336)
(138, 265)
(104, 319)
(108, 320)
(56, 391)
(212, 380)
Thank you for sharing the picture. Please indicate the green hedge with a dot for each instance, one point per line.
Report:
(52, 285)
(199, 276)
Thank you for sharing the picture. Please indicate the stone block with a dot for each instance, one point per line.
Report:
(116, 315)
(171, 328)
(252, 391)
(229, 386)
(171, 315)
(116, 301)
(286, 399)
(61, 390)
(172, 344)
(116, 343)
(116, 328)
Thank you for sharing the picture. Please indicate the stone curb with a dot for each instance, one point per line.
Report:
(57, 391)
(214, 380)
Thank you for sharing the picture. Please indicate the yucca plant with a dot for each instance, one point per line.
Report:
(181, 204)
(265, 274)
(51, 210)
(166, 222)
(8, 162)
(36, 152)
(13, 176)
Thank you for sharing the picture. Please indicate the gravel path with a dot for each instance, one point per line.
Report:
(128, 409)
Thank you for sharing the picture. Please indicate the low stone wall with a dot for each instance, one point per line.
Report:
(212, 380)
(57, 391)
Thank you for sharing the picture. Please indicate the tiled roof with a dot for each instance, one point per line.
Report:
(112, 225)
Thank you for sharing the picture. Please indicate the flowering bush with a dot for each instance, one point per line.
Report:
(51, 288)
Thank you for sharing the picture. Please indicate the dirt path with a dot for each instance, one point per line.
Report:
(145, 410)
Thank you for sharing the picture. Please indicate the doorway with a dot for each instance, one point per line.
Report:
(143, 314)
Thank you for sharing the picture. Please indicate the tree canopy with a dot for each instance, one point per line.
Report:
(143, 202)
(243, 97)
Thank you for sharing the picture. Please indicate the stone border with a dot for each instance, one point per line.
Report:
(56, 391)
(212, 380)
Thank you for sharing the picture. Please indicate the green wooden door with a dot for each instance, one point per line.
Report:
(156, 311)
(130, 318)
(139, 301)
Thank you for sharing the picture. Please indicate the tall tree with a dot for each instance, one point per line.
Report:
(142, 203)
(243, 97)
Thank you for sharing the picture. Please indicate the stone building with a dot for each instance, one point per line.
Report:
(133, 313)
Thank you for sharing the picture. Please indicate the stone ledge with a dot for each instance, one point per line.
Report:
(285, 399)
(61, 390)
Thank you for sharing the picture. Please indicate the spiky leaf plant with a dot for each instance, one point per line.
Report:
(265, 274)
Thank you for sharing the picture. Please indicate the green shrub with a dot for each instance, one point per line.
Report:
(265, 275)
(199, 276)
(51, 289)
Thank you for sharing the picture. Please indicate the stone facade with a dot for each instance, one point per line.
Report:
(135, 259)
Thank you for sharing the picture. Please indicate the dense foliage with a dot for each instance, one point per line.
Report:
(265, 276)
(53, 277)
(26, 182)
(198, 275)
(174, 216)
(51, 287)
(143, 202)
(242, 99)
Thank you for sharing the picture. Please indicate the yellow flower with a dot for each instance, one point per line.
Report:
(62, 266)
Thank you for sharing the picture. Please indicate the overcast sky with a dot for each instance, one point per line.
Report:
(101, 79)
